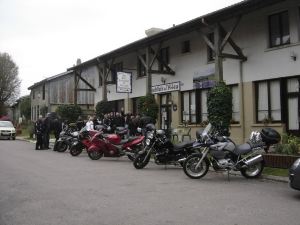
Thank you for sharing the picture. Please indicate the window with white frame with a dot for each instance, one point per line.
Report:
(268, 100)
(279, 31)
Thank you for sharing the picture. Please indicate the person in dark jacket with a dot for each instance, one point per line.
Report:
(46, 129)
(146, 120)
(80, 123)
(57, 128)
(38, 130)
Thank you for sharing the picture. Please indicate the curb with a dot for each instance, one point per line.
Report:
(267, 177)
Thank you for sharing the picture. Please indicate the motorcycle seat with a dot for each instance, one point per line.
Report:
(128, 140)
(243, 149)
(182, 145)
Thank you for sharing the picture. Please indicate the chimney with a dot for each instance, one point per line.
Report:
(78, 61)
(153, 31)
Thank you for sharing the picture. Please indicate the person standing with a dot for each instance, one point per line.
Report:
(47, 129)
(89, 124)
(80, 123)
(38, 130)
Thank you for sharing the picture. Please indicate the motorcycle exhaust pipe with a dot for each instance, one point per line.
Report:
(254, 160)
(181, 160)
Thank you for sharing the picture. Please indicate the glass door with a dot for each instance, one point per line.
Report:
(165, 112)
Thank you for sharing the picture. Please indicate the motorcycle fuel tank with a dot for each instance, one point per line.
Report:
(114, 139)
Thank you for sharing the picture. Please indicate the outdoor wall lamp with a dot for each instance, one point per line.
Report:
(293, 56)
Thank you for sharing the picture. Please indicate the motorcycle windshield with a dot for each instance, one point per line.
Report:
(207, 130)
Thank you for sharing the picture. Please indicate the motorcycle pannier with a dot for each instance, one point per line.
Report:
(270, 136)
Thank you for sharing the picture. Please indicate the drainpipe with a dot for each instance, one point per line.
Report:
(242, 102)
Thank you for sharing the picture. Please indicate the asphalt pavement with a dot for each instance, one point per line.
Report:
(45, 187)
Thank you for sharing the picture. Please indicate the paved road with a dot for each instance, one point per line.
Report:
(46, 187)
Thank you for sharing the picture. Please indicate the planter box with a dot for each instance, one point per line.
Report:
(279, 161)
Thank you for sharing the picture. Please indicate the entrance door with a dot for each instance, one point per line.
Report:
(293, 102)
(165, 112)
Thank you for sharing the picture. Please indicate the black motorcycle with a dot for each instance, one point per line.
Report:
(224, 155)
(162, 149)
(66, 139)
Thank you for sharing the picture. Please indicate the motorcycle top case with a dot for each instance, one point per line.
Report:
(270, 136)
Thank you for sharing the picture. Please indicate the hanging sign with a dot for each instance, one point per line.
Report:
(124, 82)
(175, 86)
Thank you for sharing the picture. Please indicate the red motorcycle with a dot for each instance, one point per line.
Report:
(112, 145)
(83, 141)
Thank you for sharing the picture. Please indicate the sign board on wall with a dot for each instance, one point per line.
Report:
(124, 82)
(175, 86)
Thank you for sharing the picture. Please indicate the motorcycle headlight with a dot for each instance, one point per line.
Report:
(148, 141)
(150, 135)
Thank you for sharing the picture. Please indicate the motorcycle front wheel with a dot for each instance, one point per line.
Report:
(75, 150)
(61, 146)
(253, 171)
(141, 161)
(95, 155)
(189, 166)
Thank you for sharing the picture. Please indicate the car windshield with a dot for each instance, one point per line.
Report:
(6, 124)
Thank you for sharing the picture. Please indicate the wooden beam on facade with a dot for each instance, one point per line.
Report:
(207, 41)
(155, 54)
(228, 35)
(218, 53)
(162, 72)
(87, 83)
(232, 56)
(235, 47)
(84, 89)
(159, 59)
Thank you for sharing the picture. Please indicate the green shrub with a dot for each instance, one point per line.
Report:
(290, 145)
(147, 106)
(69, 112)
(104, 107)
(219, 107)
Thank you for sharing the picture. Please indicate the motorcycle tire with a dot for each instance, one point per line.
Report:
(254, 171)
(62, 146)
(95, 155)
(140, 162)
(131, 158)
(190, 163)
(76, 150)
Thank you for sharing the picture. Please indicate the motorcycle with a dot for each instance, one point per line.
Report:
(83, 141)
(66, 139)
(112, 145)
(223, 154)
(163, 150)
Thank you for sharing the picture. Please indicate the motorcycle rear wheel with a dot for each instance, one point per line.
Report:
(140, 162)
(76, 150)
(190, 164)
(253, 171)
(95, 155)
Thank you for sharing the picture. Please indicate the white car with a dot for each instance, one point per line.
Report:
(7, 130)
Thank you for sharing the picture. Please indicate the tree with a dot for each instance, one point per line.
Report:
(69, 112)
(9, 81)
(25, 108)
(219, 107)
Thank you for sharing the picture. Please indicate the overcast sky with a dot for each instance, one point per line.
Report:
(45, 37)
